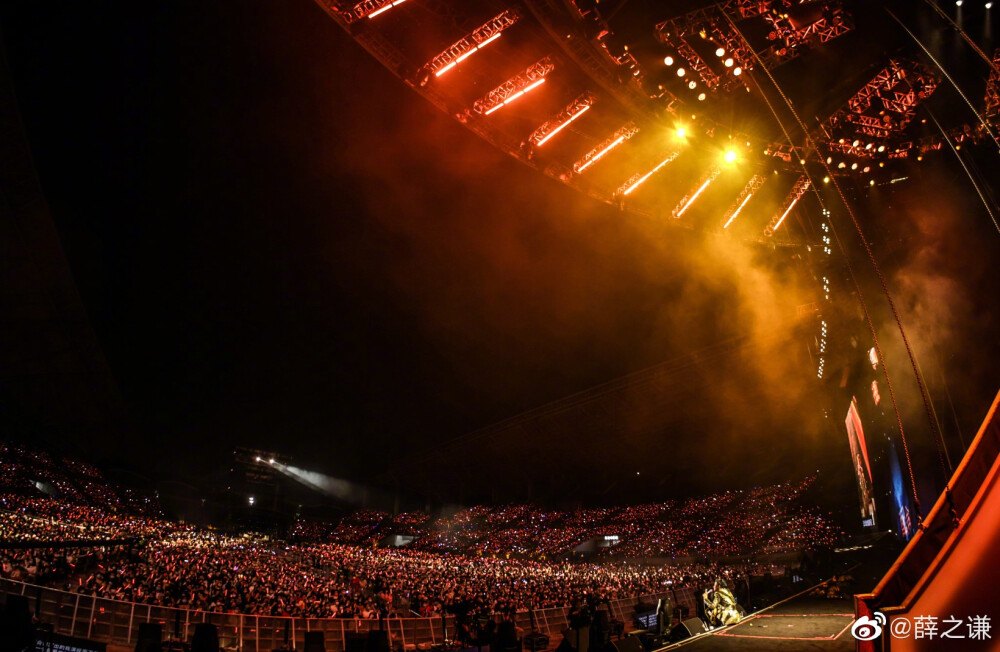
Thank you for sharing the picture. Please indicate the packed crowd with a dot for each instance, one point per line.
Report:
(765, 519)
(211, 572)
(495, 559)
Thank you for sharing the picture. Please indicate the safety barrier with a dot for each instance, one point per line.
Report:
(117, 622)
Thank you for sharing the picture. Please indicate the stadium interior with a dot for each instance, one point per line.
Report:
(411, 325)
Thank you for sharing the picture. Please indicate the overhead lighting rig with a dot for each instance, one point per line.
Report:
(756, 181)
(368, 9)
(639, 178)
(717, 24)
(471, 43)
(532, 77)
(560, 121)
(799, 189)
(992, 104)
(883, 107)
(703, 183)
(623, 133)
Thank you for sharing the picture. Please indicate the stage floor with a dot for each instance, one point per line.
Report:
(799, 625)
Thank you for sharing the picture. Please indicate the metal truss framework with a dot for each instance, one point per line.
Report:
(755, 183)
(639, 178)
(894, 94)
(366, 9)
(992, 103)
(834, 22)
(717, 21)
(699, 188)
(623, 133)
(557, 123)
(467, 45)
(799, 189)
(514, 87)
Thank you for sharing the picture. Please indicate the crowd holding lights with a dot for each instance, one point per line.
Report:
(503, 558)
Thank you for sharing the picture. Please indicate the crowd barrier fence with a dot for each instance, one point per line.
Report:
(117, 622)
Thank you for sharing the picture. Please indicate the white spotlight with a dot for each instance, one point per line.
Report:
(692, 84)
(701, 97)
(737, 71)
(668, 61)
(720, 52)
(271, 461)
(729, 62)
(681, 72)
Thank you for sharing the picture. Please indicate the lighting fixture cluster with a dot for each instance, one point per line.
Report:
(638, 178)
(471, 43)
(703, 183)
(560, 121)
(747, 193)
(368, 9)
(799, 189)
(515, 87)
(623, 133)
(826, 230)
(822, 348)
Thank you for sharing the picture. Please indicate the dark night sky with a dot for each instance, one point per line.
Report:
(281, 245)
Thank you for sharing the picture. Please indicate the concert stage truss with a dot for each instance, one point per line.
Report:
(587, 96)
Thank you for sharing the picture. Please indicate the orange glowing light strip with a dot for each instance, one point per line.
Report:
(650, 173)
(749, 197)
(695, 196)
(467, 54)
(563, 125)
(616, 143)
(386, 8)
(516, 95)
(789, 210)
(446, 68)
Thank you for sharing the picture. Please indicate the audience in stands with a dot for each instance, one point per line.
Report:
(495, 559)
